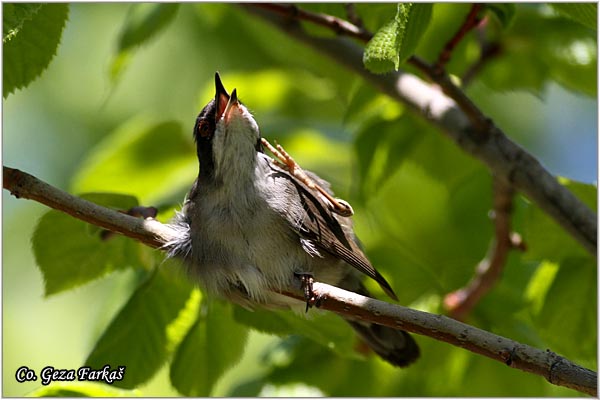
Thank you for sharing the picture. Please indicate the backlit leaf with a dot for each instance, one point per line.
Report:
(213, 345)
(71, 252)
(31, 41)
(140, 336)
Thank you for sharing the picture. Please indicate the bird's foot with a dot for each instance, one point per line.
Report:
(306, 284)
(138, 212)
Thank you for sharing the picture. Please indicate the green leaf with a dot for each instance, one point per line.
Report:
(415, 19)
(214, 344)
(71, 252)
(409, 210)
(540, 283)
(141, 336)
(381, 53)
(381, 147)
(571, 328)
(82, 389)
(563, 51)
(584, 13)
(477, 368)
(431, 186)
(30, 38)
(545, 239)
(147, 159)
(352, 377)
(144, 21)
(505, 12)
(562, 292)
(326, 329)
(445, 22)
(14, 15)
(393, 43)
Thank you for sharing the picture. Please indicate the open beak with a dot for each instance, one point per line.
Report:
(233, 102)
(221, 97)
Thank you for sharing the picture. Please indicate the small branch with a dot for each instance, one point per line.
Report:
(337, 25)
(457, 116)
(554, 368)
(489, 51)
(23, 185)
(353, 17)
(480, 122)
(460, 302)
(470, 22)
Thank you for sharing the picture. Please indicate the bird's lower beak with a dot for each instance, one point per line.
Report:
(232, 105)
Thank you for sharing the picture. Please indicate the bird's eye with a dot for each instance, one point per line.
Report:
(204, 128)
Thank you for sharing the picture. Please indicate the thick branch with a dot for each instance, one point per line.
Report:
(554, 368)
(465, 124)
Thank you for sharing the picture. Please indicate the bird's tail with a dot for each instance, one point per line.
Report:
(395, 346)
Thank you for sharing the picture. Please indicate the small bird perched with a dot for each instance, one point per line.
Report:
(251, 226)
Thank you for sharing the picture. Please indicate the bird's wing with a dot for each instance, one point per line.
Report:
(329, 231)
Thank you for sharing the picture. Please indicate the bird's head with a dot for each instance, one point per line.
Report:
(227, 138)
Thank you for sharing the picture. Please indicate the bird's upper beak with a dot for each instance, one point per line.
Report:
(221, 97)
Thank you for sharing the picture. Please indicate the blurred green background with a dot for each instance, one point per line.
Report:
(65, 126)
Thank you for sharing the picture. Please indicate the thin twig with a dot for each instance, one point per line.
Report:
(353, 16)
(470, 22)
(460, 302)
(489, 51)
(337, 25)
(457, 116)
(556, 369)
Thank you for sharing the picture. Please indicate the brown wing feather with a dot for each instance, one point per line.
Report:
(323, 227)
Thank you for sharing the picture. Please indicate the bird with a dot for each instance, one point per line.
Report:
(253, 226)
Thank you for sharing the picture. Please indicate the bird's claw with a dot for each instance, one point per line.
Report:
(306, 284)
(138, 212)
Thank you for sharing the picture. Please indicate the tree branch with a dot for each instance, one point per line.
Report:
(353, 16)
(556, 369)
(471, 21)
(489, 51)
(457, 116)
(460, 302)
(338, 25)
(292, 13)
(23, 185)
